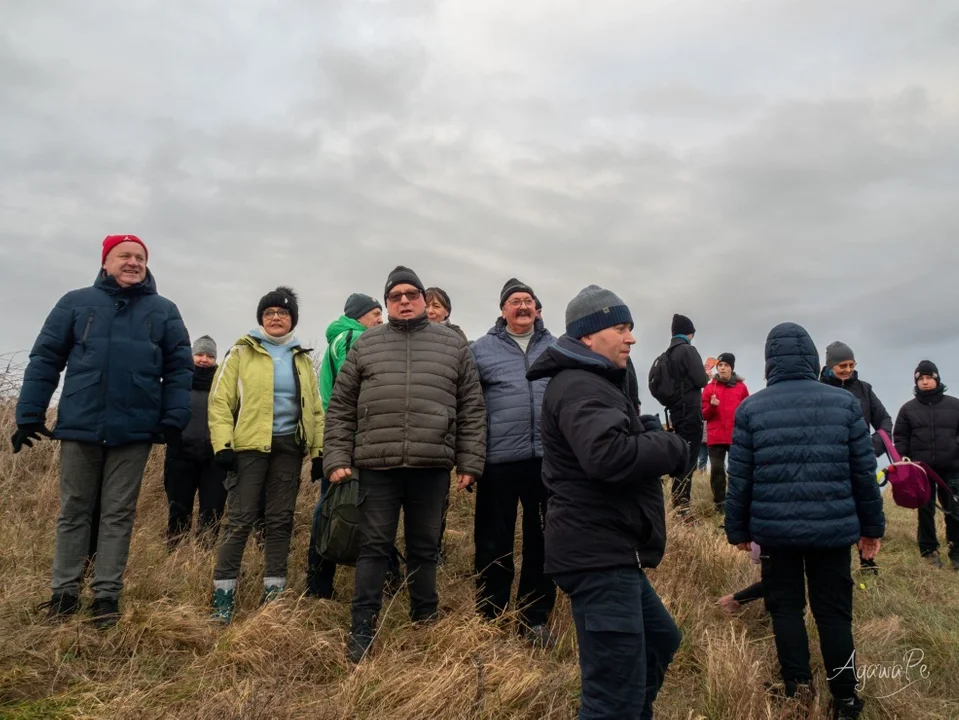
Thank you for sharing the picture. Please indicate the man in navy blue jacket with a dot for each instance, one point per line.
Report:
(802, 485)
(514, 464)
(129, 370)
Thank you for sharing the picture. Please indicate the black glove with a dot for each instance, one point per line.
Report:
(316, 469)
(651, 423)
(27, 433)
(226, 459)
(173, 437)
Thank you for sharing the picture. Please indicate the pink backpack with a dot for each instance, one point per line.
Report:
(912, 482)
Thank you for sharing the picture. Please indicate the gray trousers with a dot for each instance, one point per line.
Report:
(279, 472)
(89, 470)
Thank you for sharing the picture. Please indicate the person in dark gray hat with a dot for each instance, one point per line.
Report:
(189, 469)
(605, 517)
(840, 371)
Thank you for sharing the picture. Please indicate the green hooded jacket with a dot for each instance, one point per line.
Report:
(340, 336)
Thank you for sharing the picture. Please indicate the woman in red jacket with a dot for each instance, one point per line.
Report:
(720, 399)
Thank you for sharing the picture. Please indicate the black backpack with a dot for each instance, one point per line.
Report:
(664, 385)
(337, 531)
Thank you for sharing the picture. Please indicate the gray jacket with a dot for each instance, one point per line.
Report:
(513, 403)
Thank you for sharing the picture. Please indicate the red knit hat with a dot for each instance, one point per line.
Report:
(111, 241)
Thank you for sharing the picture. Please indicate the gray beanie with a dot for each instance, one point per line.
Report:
(358, 304)
(206, 345)
(837, 352)
(595, 309)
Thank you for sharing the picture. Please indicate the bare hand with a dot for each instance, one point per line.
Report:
(869, 547)
(745, 547)
(465, 481)
(715, 401)
(341, 474)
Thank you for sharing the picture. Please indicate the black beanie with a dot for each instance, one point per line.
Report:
(682, 325)
(927, 367)
(282, 297)
(513, 286)
(402, 275)
(440, 294)
(727, 358)
(358, 304)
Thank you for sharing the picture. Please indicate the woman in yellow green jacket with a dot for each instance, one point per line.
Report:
(265, 415)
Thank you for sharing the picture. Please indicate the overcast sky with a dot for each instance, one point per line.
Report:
(744, 163)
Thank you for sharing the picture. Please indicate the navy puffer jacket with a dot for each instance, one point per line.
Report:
(802, 471)
(128, 361)
(513, 403)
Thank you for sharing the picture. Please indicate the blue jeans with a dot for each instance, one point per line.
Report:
(626, 641)
(703, 458)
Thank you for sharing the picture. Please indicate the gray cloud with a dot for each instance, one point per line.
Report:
(743, 165)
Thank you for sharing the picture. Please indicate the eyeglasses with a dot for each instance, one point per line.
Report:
(845, 366)
(516, 302)
(280, 313)
(411, 295)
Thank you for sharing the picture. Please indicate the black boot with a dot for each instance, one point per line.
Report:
(359, 641)
(106, 612)
(60, 607)
(846, 708)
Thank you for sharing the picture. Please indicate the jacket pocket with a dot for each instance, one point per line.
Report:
(79, 404)
(145, 403)
(612, 621)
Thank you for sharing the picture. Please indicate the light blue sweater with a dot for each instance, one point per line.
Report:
(286, 404)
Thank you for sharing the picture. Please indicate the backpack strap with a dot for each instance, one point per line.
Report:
(890, 448)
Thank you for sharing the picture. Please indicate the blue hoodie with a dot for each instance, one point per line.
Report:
(286, 406)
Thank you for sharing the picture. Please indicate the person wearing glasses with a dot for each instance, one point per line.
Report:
(406, 408)
(514, 465)
(265, 416)
(840, 371)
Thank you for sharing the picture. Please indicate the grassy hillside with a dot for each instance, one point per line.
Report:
(165, 660)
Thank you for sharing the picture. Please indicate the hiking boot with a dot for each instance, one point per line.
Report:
(846, 708)
(105, 612)
(60, 607)
(539, 636)
(933, 559)
(223, 603)
(271, 593)
(954, 558)
(359, 641)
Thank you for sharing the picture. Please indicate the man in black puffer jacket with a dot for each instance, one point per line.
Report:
(840, 371)
(605, 517)
(189, 470)
(802, 485)
(927, 429)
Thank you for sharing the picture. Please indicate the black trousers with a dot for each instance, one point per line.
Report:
(183, 479)
(498, 493)
(627, 640)
(926, 530)
(784, 576)
(717, 473)
(683, 484)
(420, 494)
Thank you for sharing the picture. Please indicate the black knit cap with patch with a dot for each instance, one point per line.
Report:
(282, 297)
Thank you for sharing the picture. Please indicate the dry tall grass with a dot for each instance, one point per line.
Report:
(286, 660)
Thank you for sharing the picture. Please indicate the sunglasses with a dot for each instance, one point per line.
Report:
(411, 295)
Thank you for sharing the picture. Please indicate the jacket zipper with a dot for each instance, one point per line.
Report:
(406, 413)
(532, 397)
(86, 332)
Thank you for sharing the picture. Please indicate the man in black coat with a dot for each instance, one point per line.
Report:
(685, 411)
(927, 429)
(840, 371)
(605, 518)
